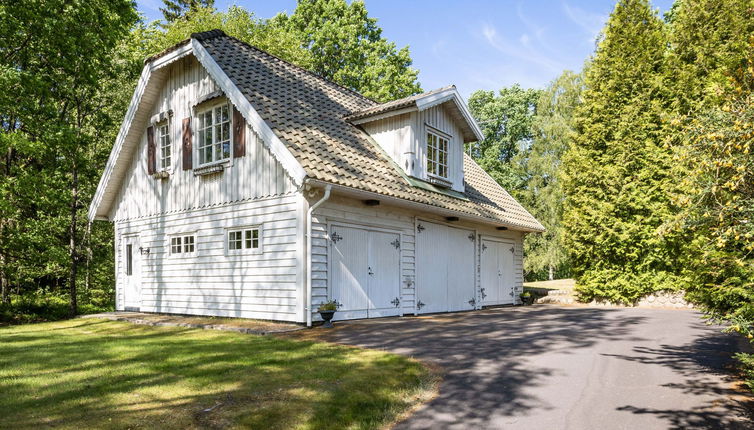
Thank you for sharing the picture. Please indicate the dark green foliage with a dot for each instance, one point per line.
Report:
(616, 177)
(176, 9)
(506, 121)
(347, 47)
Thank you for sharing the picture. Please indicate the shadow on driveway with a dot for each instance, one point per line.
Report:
(564, 367)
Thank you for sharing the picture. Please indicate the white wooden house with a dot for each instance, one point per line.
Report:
(241, 185)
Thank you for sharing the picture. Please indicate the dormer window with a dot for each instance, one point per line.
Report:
(213, 133)
(437, 154)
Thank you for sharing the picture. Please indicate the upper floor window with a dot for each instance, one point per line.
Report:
(214, 134)
(163, 133)
(437, 155)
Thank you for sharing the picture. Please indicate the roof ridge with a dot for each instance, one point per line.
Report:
(206, 35)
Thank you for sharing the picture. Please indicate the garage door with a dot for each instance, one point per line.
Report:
(365, 274)
(498, 277)
(445, 268)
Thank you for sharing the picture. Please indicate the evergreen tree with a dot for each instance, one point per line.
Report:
(539, 165)
(506, 122)
(347, 47)
(617, 176)
(177, 9)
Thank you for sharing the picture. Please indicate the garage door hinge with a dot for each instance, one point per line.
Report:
(472, 237)
(472, 302)
(513, 250)
(420, 305)
(484, 247)
(396, 302)
(483, 294)
(396, 243)
(419, 228)
(335, 237)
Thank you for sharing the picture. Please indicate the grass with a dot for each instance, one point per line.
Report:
(92, 373)
(558, 284)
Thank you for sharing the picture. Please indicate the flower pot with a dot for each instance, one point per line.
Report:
(327, 317)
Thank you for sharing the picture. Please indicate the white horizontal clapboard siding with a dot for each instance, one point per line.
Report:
(351, 211)
(211, 282)
(254, 175)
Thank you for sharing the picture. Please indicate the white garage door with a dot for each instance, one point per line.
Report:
(445, 268)
(365, 274)
(498, 276)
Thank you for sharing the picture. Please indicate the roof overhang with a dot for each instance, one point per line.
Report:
(408, 204)
(422, 102)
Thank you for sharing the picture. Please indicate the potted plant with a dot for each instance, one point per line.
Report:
(327, 311)
(527, 298)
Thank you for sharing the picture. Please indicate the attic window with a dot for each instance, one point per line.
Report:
(437, 155)
(213, 134)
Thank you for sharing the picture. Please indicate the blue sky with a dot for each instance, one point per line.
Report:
(476, 44)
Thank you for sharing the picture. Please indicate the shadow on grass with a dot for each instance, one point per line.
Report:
(96, 374)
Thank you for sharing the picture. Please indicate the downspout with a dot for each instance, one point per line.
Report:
(308, 306)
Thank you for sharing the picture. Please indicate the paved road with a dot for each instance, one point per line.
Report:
(549, 367)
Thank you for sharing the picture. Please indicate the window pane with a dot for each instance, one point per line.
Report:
(188, 244)
(175, 245)
(129, 260)
(226, 150)
(234, 240)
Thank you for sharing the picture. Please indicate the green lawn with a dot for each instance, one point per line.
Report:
(90, 373)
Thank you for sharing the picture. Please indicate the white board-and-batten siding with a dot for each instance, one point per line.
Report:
(403, 137)
(253, 190)
(255, 175)
(346, 211)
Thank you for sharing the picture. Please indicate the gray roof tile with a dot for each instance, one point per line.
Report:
(308, 114)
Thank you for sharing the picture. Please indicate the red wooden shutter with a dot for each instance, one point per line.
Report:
(239, 134)
(187, 147)
(151, 152)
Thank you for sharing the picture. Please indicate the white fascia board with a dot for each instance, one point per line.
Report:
(448, 95)
(133, 107)
(146, 72)
(270, 139)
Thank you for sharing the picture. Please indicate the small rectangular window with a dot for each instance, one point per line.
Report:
(182, 245)
(437, 155)
(129, 260)
(165, 147)
(244, 239)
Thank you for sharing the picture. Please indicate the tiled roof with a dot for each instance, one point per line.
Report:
(308, 114)
(393, 105)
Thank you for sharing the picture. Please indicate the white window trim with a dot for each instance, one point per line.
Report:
(158, 126)
(440, 134)
(181, 235)
(243, 250)
(199, 109)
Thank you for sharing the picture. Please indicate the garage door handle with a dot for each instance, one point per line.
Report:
(370, 271)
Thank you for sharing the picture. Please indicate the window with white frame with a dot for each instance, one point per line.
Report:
(437, 155)
(245, 239)
(213, 134)
(182, 245)
(166, 152)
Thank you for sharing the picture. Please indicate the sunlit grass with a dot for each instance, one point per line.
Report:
(103, 374)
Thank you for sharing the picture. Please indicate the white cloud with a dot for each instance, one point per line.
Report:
(521, 50)
(591, 23)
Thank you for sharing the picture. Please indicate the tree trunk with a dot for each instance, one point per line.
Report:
(72, 242)
(550, 274)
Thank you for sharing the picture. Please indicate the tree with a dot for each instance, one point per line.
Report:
(52, 120)
(539, 166)
(617, 174)
(506, 121)
(176, 9)
(347, 47)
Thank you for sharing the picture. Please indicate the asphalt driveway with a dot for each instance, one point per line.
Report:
(549, 367)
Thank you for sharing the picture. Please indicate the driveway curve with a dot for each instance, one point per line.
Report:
(550, 367)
